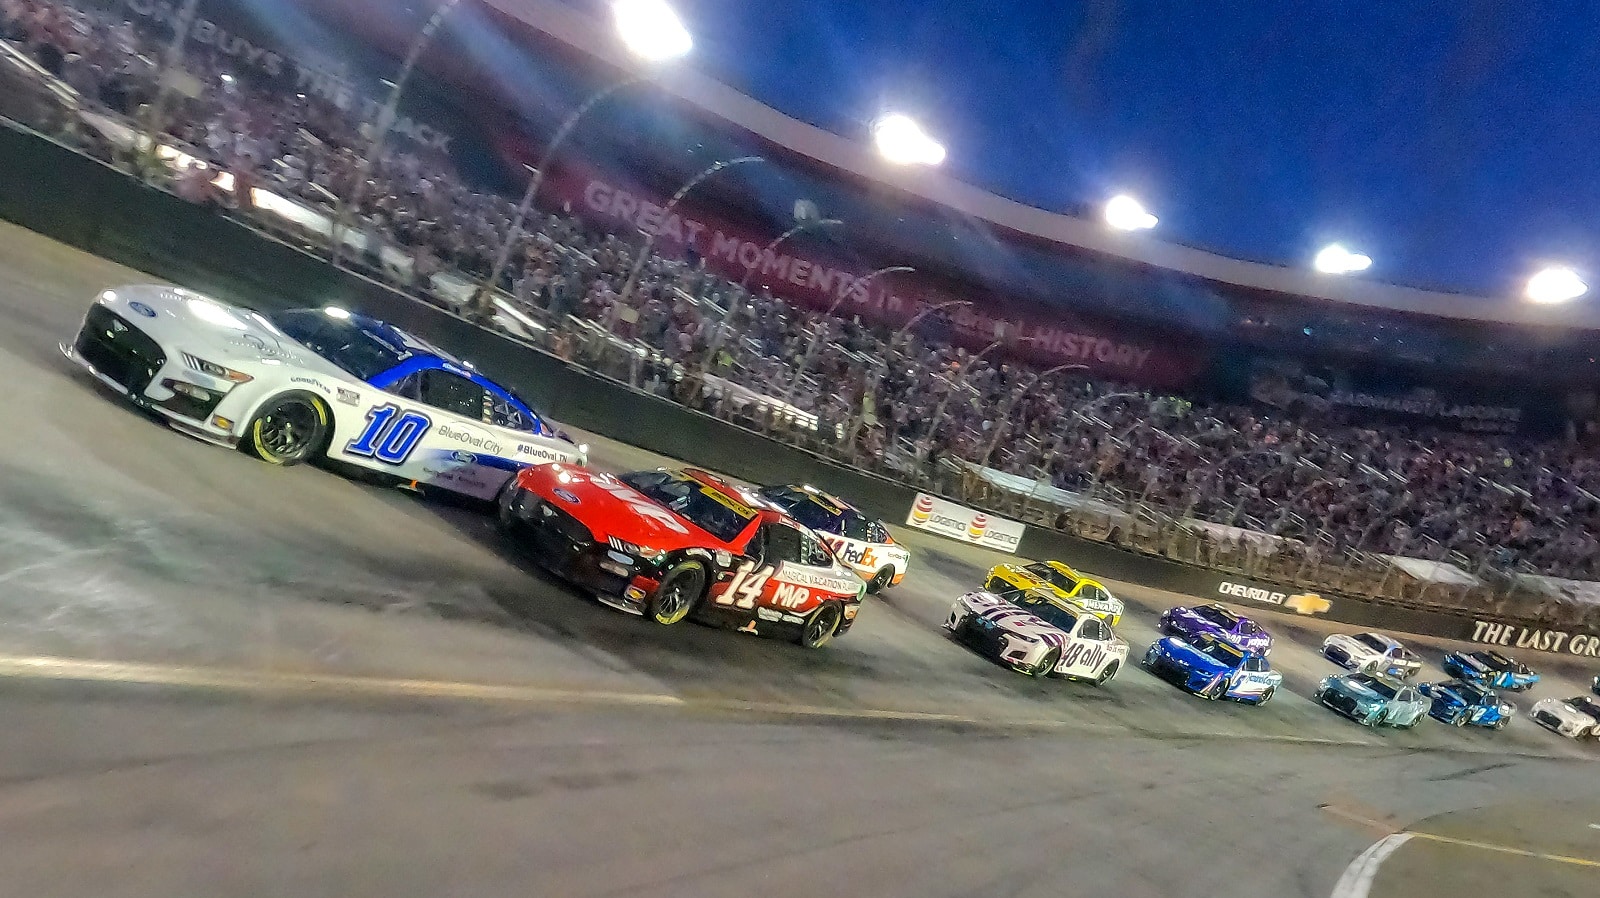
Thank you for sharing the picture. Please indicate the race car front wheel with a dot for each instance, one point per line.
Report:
(821, 625)
(288, 429)
(678, 593)
(1047, 664)
(880, 581)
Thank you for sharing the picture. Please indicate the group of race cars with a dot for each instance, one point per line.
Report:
(669, 545)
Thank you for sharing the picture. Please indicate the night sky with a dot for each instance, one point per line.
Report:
(1454, 141)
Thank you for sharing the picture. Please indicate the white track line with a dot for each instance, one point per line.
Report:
(1357, 879)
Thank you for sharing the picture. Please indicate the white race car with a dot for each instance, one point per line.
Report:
(1371, 653)
(859, 541)
(311, 383)
(1576, 718)
(1035, 632)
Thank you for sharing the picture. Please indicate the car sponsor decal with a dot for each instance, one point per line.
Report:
(348, 397)
(142, 309)
(390, 435)
(486, 444)
(744, 590)
(566, 496)
(311, 382)
(800, 576)
(1086, 654)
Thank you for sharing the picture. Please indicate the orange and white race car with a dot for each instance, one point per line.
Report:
(861, 542)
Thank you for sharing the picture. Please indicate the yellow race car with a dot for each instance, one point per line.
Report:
(1087, 593)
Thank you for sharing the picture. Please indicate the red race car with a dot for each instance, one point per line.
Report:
(670, 544)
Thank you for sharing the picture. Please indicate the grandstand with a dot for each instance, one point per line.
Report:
(1341, 435)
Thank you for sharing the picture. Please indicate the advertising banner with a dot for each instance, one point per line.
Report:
(814, 276)
(1516, 636)
(1240, 589)
(966, 524)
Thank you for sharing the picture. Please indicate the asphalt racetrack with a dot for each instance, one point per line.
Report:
(222, 678)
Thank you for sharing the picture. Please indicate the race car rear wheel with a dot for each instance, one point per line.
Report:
(288, 429)
(880, 581)
(1047, 664)
(1501, 723)
(679, 592)
(821, 625)
(1107, 674)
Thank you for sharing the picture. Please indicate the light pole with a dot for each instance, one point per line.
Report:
(1004, 418)
(666, 211)
(157, 111)
(380, 128)
(816, 331)
(481, 302)
(961, 376)
(744, 283)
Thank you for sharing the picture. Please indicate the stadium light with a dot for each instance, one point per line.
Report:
(1125, 213)
(651, 29)
(903, 142)
(1335, 259)
(1555, 285)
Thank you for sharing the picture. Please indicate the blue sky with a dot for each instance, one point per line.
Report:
(1454, 142)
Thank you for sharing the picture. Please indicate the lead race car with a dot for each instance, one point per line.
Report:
(1037, 633)
(668, 545)
(859, 541)
(306, 384)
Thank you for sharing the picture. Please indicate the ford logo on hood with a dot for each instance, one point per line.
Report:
(142, 309)
(465, 458)
(565, 496)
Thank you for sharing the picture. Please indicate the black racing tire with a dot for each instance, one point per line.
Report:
(1501, 723)
(288, 429)
(1109, 672)
(1216, 692)
(880, 581)
(1047, 664)
(1461, 720)
(680, 591)
(505, 519)
(821, 625)
(1266, 696)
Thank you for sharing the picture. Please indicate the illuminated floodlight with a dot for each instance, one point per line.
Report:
(1335, 259)
(903, 142)
(1555, 285)
(1127, 214)
(651, 29)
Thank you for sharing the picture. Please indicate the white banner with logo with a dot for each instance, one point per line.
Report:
(966, 524)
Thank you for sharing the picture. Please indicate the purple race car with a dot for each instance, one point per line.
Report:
(1220, 622)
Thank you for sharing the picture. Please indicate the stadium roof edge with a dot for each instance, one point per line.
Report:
(572, 27)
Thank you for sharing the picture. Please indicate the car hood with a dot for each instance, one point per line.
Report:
(1191, 657)
(611, 508)
(1357, 691)
(211, 329)
(1012, 619)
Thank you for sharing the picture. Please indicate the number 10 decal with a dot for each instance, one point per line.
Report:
(390, 434)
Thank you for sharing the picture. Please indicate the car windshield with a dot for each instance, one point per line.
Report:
(1586, 705)
(1222, 617)
(1046, 610)
(1375, 685)
(1497, 660)
(1472, 694)
(700, 505)
(1373, 642)
(858, 526)
(341, 341)
(1220, 651)
(1052, 576)
(804, 508)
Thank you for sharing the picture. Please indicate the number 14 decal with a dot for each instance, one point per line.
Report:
(390, 434)
(745, 588)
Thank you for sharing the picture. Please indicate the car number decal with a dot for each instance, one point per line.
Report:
(745, 588)
(390, 435)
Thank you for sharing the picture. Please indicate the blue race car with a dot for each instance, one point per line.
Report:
(1187, 622)
(1211, 668)
(1459, 703)
(1372, 700)
(1490, 670)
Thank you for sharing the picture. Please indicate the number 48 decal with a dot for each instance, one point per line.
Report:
(390, 434)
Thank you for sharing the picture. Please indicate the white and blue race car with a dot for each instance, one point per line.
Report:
(311, 384)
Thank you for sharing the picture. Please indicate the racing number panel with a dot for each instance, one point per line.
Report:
(788, 572)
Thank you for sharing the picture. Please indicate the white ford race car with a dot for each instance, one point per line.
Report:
(1038, 634)
(1371, 653)
(1576, 718)
(312, 383)
(859, 541)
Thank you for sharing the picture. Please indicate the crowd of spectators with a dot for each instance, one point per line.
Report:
(1503, 502)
